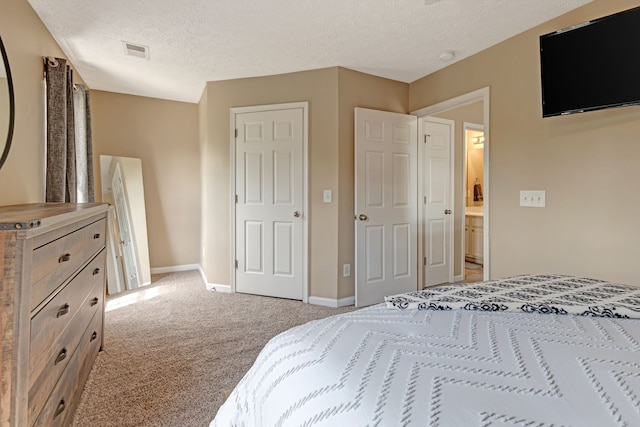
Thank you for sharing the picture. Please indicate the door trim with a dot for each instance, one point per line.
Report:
(459, 101)
(305, 186)
(452, 186)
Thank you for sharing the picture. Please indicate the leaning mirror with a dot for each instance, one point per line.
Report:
(7, 113)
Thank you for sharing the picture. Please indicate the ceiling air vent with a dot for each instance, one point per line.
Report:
(137, 50)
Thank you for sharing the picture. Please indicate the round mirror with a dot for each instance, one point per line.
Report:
(7, 113)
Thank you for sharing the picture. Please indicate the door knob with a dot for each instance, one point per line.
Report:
(296, 214)
(363, 217)
(447, 211)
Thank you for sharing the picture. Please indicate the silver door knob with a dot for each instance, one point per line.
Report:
(447, 211)
(296, 214)
(363, 217)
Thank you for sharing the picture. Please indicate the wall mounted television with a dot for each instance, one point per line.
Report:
(591, 66)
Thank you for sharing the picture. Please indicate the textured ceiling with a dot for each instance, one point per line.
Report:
(195, 41)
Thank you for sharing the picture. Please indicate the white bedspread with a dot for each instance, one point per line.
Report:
(382, 367)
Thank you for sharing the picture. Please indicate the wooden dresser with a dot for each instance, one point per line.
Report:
(52, 267)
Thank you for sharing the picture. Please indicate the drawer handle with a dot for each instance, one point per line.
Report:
(94, 301)
(60, 410)
(94, 335)
(61, 356)
(96, 271)
(64, 258)
(96, 236)
(63, 310)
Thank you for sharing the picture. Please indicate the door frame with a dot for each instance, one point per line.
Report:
(304, 105)
(421, 195)
(478, 95)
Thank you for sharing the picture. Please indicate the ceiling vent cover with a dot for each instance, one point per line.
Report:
(137, 50)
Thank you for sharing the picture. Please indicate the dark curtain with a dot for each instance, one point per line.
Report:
(69, 176)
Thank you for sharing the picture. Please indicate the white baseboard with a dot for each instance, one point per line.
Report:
(330, 302)
(213, 286)
(459, 278)
(175, 268)
(217, 287)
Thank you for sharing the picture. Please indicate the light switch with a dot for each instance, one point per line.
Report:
(533, 199)
(327, 196)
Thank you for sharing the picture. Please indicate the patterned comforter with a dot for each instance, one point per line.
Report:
(449, 367)
(536, 293)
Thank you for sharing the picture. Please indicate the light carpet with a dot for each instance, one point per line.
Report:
(170, 357)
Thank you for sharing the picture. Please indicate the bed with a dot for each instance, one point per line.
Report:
(536, 350)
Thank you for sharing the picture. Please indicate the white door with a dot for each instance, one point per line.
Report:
(438, 200)
(269, 209)
(126, 238)
(386, 204)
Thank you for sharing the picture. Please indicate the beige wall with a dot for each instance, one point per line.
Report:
(587, 163)
(164, 135)
(357, 90)
(203, 137)
(319, 88)
(26, 40)
(332, 94)
(472, 113)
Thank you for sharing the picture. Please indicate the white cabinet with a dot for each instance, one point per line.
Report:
(473, 239)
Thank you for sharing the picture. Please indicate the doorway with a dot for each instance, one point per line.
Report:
(478, 100)
(473, 173)
(471, 107)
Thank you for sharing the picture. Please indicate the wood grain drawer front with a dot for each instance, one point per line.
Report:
(56, 261)
(49, 368)
(46, 374)
(58, 409)
(48, 323)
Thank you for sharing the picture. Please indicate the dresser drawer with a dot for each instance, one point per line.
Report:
(49, 368)
(58, 409)
(55, 261)
(48, 323)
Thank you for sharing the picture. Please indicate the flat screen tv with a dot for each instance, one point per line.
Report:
(591, 66)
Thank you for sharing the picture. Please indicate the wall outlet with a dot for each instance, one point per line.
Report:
(327, 196)
(533, 199)
(346, 270)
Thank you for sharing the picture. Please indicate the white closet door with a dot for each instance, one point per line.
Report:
(269, 210)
